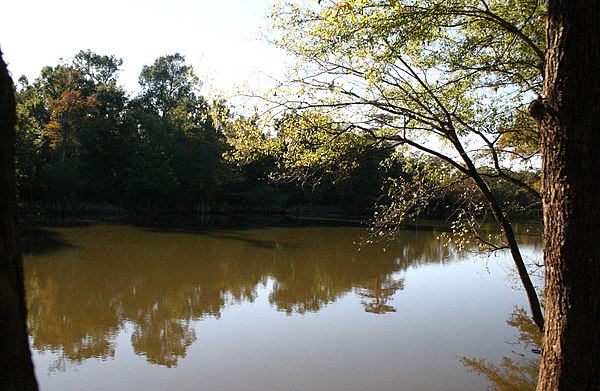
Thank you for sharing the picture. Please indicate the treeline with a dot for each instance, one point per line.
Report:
(83, 143)
(82, 139)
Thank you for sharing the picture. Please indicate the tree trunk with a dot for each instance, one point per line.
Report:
(511, 240)
(569, 116)
(509, 235)
(16, 368)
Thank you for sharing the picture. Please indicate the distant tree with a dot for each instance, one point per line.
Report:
(16, 367)
(178, 139)
(98, 69)
(72, 139)
(169, 87)
(31, 151)
(106, 140)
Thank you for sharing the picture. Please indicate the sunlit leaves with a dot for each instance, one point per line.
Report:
(248, 140)
(311, 144)
(429, 66)
(306, 146)
(66, 115)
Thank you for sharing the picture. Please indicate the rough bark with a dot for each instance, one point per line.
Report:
(16, 368)
(570, 135)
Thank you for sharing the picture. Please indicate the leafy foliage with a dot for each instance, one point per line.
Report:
(309, 148)
(83, 138)
(444, 78)
(447, 81)
(80, 136)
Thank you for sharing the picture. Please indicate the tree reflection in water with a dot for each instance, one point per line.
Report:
(160, 283)
(376, 294)
(163, 341)
(518, 373)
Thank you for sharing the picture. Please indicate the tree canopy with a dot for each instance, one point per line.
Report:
(83, 140)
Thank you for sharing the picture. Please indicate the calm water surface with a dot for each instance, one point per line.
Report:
(116, 307)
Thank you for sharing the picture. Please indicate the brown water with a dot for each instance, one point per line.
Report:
(115, 307)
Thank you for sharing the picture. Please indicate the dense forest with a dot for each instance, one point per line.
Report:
(83, 141)
(85, 144)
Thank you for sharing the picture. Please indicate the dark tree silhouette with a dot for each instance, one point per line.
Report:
(16, 367)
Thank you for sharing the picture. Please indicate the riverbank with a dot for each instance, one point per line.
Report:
(304, 215)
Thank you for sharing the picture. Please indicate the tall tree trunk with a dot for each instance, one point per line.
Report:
(16, 368)
(569, 116)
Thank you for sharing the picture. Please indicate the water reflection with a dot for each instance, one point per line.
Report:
(107, 277)
(519, 372)
(95, 291)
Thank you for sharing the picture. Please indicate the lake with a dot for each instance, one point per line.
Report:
(119, 307)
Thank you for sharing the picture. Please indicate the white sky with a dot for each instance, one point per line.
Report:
(220, 38)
